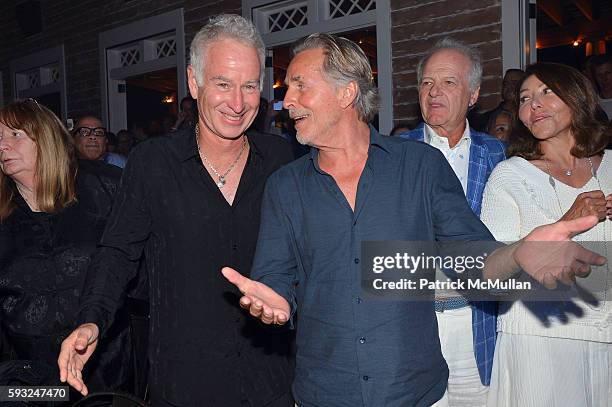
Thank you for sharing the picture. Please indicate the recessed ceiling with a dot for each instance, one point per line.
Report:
(561, 22)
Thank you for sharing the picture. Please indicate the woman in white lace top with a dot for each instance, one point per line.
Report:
(554, 353)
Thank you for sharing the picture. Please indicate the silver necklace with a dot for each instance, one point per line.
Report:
(221, 182)
(569, 171)
(551, 179)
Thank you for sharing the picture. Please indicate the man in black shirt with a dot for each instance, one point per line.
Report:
(192, 203)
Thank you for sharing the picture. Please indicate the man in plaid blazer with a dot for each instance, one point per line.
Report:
(449, 77)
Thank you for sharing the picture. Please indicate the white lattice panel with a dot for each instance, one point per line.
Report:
(288, 18)
(33, 79)
(166, 48)
(130, 56)
(342, 8)
(55, 74)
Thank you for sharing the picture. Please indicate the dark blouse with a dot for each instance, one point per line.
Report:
(43, 263)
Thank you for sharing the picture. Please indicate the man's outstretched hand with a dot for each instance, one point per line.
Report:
(76, 350)
(548, 255)
(261, 301)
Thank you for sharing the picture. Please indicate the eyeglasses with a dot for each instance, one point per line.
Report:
(88, 132)
(32, 100)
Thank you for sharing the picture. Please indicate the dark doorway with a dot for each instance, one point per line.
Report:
(152, 101)
(52, 101)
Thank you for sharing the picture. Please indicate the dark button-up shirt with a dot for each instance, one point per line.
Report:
(351, 351)
(203, 347)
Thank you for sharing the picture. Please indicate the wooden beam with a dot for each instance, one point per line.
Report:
(556, 40)
(553, 9)
(585, 7)
(556, 36)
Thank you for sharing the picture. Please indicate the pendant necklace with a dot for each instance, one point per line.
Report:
(221, 177)
(553, 184)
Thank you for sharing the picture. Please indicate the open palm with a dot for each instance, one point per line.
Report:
(262, 302)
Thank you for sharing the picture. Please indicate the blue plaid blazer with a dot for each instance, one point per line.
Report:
(485, 152)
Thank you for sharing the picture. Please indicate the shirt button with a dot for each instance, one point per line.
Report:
(356, 261)
(366, 378)
(362, 340)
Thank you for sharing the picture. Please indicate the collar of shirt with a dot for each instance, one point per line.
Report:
(458, 157)
(434, 139)
(376, 140)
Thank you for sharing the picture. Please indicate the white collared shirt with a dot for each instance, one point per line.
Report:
(458, 157)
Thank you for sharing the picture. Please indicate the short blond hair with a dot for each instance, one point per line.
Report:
(55, 163)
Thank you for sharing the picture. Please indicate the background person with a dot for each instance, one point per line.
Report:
(90, 138)
(188, 115)
(400, 128)
(511, 79)
(125, 142)
(449, 77)
(500, 124)
(553, 353)
(111, 145)
(601, 70)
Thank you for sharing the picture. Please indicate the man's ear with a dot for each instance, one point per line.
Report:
(191, 81)
(348, 94)
(474, 97)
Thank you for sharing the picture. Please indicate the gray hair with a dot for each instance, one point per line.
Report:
(223, 26)
(345, 62)
(475, 72)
